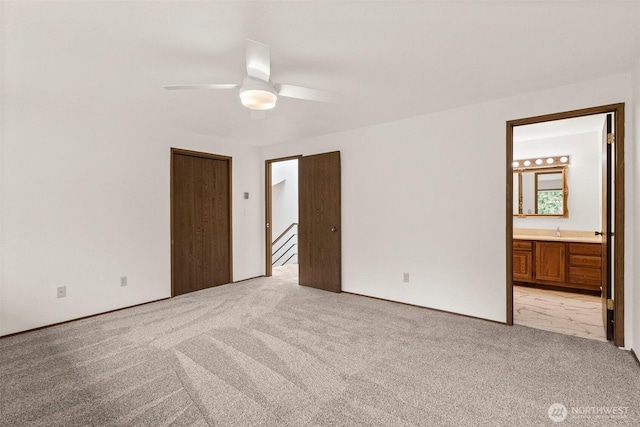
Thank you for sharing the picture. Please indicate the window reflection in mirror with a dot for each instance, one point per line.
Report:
(539, 192)
(549, 194)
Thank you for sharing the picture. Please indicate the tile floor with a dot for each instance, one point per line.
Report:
(556, 311)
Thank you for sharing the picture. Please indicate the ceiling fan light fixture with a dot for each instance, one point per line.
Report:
(258, 99)
(257, 94)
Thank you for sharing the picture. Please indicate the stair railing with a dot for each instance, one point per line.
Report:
(286, 249)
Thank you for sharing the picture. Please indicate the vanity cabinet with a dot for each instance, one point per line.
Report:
(550, 261)
(585, 264)
(522, 260)
(569, 265)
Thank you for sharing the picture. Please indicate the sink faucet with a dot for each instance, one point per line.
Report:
(558, 232)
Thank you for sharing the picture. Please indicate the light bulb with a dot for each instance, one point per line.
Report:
(257, 99)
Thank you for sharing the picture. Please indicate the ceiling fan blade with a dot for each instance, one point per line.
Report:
(258, 60)
(299, 92)
(258, 114)
(202, 86)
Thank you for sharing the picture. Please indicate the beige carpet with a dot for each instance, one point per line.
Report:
(267, 352)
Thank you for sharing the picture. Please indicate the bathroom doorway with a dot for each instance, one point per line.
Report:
(561, 237)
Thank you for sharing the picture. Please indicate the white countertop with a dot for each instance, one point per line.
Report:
(578, 239)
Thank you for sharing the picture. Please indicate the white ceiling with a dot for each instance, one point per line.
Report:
(387, 60)
(574, 126)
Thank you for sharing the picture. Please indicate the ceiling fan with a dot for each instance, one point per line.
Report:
(257, 91)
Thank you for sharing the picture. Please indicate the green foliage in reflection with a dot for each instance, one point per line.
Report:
(550, 202)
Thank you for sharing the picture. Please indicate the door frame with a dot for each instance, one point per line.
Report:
(268, 209)
(618, 171)
(200, 154)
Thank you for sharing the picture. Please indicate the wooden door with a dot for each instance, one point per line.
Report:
(607, 147)
(550, 261)
(200, 221)
(319, 228)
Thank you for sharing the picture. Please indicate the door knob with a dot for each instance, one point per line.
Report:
(333, 229)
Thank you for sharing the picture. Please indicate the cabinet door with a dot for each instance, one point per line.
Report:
(522, 263)
(550, 261)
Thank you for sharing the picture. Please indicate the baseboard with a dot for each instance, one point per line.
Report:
(79, 318)
(427, 308)
(635, 356)
(101, 313)
(250, 278)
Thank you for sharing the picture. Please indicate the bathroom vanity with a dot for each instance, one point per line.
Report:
(564, 259)
(572, 263)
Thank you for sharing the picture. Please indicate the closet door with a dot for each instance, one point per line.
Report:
(200, 221)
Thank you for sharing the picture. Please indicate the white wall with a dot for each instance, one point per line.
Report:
(284, 196)
(583, 180)
(416, 199)
(86, 200)
(2, 138)
(634, 153)
(284, 209)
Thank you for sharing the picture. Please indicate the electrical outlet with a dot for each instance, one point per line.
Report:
(123, 281)
(405, 277)
(62, 291)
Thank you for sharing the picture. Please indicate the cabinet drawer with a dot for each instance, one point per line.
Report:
(522, 245)
(585, 261)
(585, 275)
(585, 249)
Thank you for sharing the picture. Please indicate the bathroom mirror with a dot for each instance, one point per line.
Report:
(540, 192)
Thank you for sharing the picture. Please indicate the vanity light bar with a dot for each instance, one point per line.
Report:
(541, 162)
